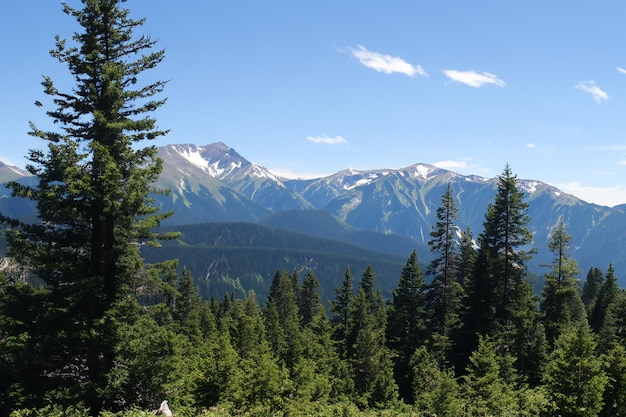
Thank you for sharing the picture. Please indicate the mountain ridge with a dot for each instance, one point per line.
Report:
(214, 183)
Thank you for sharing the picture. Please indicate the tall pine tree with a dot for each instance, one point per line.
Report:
(340, 309)
(406, 328)
(606, 297)
(444, 289)
(368, 354)
(561, 304)
(591, 288)
(506, 237)
(502, 301)
(91, 195)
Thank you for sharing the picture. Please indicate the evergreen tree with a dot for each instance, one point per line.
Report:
(187, 308)
(259, 386)
(218, 368)
(506, 238)
(561, 304)
(22, 317)
(281, 320)
(501, 270)
(147, 350)
(591, 288)
(309, 300)
(486, 392)
(340, 309)
(574, 377)
(479, 312)
(463, 337)
(406, 329)
(321, 375)
(606, 297)
(367, 352)
(92, 196)
(436, 390)
(613, 331)
(444, 291)
(244, 321)
(467, 257)
(614, 397)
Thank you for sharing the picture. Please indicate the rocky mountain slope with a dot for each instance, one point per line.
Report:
(213, 183)
(403, 202)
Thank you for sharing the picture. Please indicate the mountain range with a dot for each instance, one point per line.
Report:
(386, 210)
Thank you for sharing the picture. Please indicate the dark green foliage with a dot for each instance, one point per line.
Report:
(367, 354)
(92, 200)
(484, 388)
(309, 300)
(406, 328)
(187, 310)
(435, 390)
(340, 309)
(591, 288)
(574, 376)
(606, 297)
(614, 397)
(221, 256)
(561, 304)
(444, 290)
(500, 299)
(282, 321)
(505, 238)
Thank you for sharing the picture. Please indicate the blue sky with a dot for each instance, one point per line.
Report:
(310, 88)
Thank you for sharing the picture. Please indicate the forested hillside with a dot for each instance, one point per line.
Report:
(235, 258)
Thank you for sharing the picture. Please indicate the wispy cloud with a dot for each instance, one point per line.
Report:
(531, 145)
(611, 148)
(386, 63)
(451, 165)
(606, 196)
(596, 92)
(473, 78)
(291, 173)
(337, 140)
(463, 166)
(620, 69)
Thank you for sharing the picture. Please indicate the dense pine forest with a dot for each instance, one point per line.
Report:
(87, 328)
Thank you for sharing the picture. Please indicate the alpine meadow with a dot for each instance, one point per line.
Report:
(134, 282)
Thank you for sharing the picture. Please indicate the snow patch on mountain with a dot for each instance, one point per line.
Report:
(423, 171)
(194, 157)
(216, 170)
(529, 186)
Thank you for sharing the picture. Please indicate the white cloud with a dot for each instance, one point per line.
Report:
(606, 196)
(337, 140)
(621, 162)
(290, 173)
(531, 145)
(474, 79)
(620, 69)
(451, 165)
(386, 63)
(612, 148)
(590, 87)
